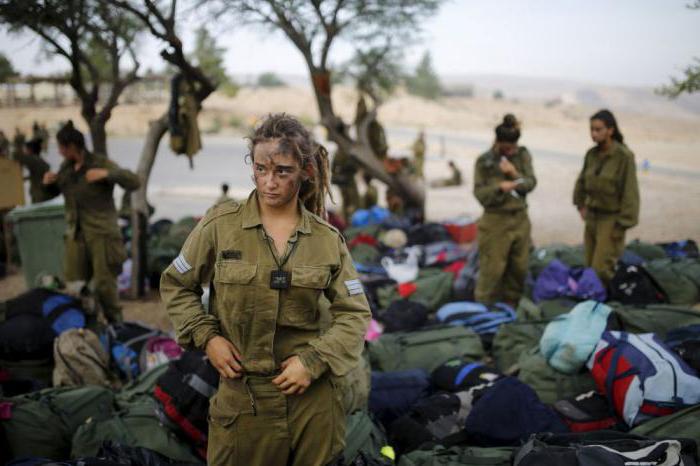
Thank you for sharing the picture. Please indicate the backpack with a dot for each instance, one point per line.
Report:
(141, 387)
(135, 425)
(403, 316)
(541, 257)
(586, 412)
(425, 349)
(23, 376)
(156, 351)
(477, 316)
(550, 384)
(443, 253)
(26, 337)
(42, 423)
(438, 418)
(684, 423)
(559, 280)
(80, 359)
(457, 375)
(659, 318)
(124, 341)
(683, 248)
(647, 251)
(642, 377)
(513, 339)
(632, 284)
(603, 448)
(393, 393)
(117, 454)
(545, 310)
(432, 288)
(457, 456)
(366, 440)
(426, 233)
(465, 281)
(183, 394)
(61, 311)
(508, 413)
(569, 339)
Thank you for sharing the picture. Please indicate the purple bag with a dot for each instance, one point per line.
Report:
(558, 280)
(158, 350)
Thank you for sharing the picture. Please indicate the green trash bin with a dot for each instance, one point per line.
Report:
(39, 230)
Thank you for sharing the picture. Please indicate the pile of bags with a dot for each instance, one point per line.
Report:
(574, 374)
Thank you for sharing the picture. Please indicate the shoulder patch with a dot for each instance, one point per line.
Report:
(354, 287)
(181, 264)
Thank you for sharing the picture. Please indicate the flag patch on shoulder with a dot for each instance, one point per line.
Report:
(354, 287)
(181, 264)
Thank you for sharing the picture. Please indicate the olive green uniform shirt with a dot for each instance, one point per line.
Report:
(230, 251)
(488, 176)
(90, 207)
(608, 184)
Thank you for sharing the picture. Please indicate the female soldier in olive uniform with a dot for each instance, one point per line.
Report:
(607, 195)
(268, 260)
(93, 244)
(503, 177)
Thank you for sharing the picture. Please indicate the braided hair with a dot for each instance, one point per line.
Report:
(296, 140)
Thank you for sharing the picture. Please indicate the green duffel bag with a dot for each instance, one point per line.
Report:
(646, 251)
(654, 318)
(459, 456)
(42, 423)
(351, 233)
(572, 256)
(365, 254)
(365, 438)
(514, 338)
(433, 289)
(683, 424)
(546, 309)
(550, 384)
(135, 426)
(140, 386)
(424, 349)
(673, 281)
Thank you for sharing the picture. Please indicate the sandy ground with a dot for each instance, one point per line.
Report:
(458, 129)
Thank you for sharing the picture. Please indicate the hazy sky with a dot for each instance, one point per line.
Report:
(632, 42)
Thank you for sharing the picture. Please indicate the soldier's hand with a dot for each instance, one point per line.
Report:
(94, 175)
(294, 379)
(224, 357)
(582, 213)
(49, 178)
(507, 186)
(508, 168)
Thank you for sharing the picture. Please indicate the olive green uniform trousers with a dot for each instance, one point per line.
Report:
(504, 249)
(252, 423)
(97, 259)
(604, 242)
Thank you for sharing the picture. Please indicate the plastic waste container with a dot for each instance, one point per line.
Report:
(39, 230)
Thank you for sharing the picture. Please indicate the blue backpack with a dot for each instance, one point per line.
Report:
(559, 280)
(124, 343)
(479, 317)
(569, 339)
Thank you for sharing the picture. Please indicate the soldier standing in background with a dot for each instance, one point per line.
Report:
(94, 250)
(503, 177)
(606, 195)
(419, 153)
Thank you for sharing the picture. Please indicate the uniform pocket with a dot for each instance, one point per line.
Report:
(116, 254)
(300, 306)
(234, 283)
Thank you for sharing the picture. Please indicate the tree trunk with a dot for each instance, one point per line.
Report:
(98, 134)
(139, 205)
(360, 150)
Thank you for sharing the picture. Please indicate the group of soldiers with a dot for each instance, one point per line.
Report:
(606, 195)
(345, 169)
(28, 152)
